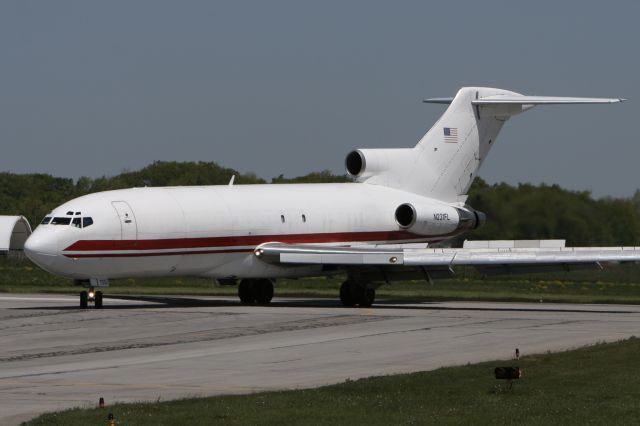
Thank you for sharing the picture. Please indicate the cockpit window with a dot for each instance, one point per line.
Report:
(61, 221)
(78, 222)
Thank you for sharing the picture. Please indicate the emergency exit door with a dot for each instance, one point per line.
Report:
(128, 226)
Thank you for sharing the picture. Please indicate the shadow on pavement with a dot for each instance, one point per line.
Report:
(164, 302)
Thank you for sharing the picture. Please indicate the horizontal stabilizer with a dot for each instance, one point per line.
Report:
(445, 101)
(541, 100)
(529, 100)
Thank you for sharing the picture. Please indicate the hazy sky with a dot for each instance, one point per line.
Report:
(96, 87)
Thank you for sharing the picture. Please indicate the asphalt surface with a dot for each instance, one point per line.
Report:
(54, 355)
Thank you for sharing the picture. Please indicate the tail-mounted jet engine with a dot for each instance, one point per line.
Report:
(437, 219)
(364, 163)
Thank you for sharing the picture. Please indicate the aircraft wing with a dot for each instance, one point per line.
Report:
(490, 260)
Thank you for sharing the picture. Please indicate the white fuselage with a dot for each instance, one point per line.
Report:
(213, 230)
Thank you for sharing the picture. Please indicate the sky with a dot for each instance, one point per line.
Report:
(93, 88)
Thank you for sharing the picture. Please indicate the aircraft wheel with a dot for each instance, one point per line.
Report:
(365, 297)
(347, 296)
(246, 292)
(84, 299)
(263, 291)
(98, 301)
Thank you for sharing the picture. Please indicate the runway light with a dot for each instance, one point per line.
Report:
(112, 422)
(517, 353)
(507, 373)
(101, 402)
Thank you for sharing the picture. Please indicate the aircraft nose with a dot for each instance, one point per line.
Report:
(41, 248)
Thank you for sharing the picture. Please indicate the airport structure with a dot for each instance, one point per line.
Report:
(14, 231)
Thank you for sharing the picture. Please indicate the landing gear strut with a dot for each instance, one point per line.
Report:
(255, 291)
(92, 296)
(353, 293)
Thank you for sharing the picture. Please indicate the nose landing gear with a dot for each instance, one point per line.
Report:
(91, 296)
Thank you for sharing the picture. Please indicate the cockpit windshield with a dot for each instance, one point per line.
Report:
(77, 222)
(61, 221)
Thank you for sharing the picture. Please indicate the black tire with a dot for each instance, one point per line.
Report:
(347, 296)
(246, 292)
(365, 297)
(98, 300)
(84, 299)
(263, 291)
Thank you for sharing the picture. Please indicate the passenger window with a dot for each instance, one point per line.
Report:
(76, 222)
(61, 221)
(46, 220)
(87, 221)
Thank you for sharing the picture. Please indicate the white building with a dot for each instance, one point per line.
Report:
(14, 231)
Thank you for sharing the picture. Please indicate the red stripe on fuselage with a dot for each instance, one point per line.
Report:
(154, 254)
(235, 241)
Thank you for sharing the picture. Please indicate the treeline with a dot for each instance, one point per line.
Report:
(539, 212)
(514, 212)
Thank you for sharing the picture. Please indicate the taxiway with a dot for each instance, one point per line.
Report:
(54, 355)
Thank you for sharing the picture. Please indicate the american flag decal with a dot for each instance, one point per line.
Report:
(451, 134)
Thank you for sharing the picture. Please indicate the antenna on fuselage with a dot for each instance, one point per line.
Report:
(233, 177)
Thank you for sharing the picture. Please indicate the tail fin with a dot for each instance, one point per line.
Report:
(445, 161)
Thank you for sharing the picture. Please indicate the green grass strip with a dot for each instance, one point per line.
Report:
(599, 384)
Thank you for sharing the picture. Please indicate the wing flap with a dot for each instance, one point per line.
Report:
(314, 255)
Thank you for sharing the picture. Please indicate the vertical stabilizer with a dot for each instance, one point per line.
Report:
(446, 160)
(453, 150)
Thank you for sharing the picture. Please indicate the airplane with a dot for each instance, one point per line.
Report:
(376, 229)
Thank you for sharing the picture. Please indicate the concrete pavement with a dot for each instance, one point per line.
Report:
(54, 355)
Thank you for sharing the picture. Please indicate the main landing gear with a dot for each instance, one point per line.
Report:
(259, 291)
(91, 296)
(255, 291)
(353, 293)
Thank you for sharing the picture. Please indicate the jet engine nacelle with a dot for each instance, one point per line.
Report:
(364, 163)
(437, 218)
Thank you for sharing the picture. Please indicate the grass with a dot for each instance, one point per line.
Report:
(618, 284)
(599, 384)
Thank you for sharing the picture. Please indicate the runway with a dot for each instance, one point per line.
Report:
(54, 355)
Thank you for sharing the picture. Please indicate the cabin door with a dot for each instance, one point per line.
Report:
(128, 226)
